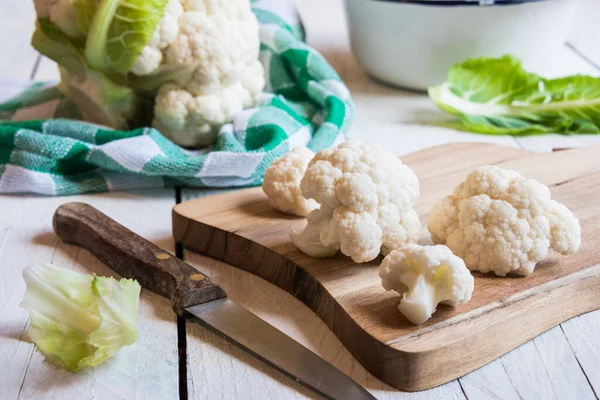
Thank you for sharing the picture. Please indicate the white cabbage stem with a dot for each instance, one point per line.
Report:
(308, 240)
(420, 302)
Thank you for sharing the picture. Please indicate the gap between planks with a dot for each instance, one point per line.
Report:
(181, 326)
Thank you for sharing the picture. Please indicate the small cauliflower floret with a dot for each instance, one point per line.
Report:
(282, 182)
(498, 221)
(366, 198)
(164, 35)
(426, 276)
(217, 43)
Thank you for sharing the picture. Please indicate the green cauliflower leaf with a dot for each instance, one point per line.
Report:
(119, 31)
(79, 320)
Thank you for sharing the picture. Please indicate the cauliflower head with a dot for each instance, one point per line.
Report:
(501, 222)
(366, 198)
(282, 182)
(192, 64)
(426, 276)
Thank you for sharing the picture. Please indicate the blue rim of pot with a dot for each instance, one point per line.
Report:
(481, 3)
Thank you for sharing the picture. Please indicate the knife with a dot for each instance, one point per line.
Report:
(194, 294)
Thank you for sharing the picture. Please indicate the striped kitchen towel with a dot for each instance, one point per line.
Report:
(305, 103)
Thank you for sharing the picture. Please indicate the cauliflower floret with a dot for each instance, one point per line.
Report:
(500, 222)
(164, 35)
(201, 63)
(282, 182)
(426, 276)
(217, 42)
(366, 196)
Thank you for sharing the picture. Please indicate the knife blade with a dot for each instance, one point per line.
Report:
(195, 294)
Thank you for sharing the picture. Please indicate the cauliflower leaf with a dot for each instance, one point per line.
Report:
(79, 320)
(120, 29)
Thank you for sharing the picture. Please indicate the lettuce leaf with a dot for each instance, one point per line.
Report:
(79, 320)
(497, 96)
(119, 31)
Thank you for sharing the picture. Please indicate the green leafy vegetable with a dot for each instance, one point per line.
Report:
(120, 29)
(79, 320)
(497, 96)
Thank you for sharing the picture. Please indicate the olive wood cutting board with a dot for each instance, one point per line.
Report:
(242, 229)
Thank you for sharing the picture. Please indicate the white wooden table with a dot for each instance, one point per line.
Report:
(563, 363)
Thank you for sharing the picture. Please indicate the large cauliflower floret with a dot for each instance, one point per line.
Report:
(216, 44)
(498, 221)
(282, 182)
(426, 276)
(366, 196)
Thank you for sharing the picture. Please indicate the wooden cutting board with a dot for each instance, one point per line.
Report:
(242, 229)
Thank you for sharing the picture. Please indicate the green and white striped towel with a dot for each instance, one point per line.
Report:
(305, 103)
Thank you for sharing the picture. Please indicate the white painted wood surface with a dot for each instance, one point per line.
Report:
(563, 363)
(145, 370)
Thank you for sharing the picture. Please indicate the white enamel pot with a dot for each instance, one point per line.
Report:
(412, 44)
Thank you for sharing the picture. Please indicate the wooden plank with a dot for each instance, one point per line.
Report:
(582, 334)
(218, 369)
(17, 20)
(491, 382)
(544, 368)
(560, 364)
(147, 369)
(523, 366)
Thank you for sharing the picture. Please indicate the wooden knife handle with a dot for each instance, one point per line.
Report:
(134, 257)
